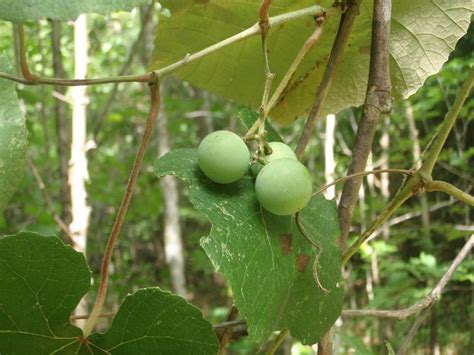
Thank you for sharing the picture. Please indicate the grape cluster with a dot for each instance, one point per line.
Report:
(283, 185)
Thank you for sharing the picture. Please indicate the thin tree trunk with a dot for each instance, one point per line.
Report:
(174, 250)
(329, 163)
(63, 135)
(78, 174)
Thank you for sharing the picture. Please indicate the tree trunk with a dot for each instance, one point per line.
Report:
(78, 165)
(63, 135)
(174, 250)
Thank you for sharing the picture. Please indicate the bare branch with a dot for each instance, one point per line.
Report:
(436, 293)
(49, 202)
(377, 102)
(425, 303)
(340, 42)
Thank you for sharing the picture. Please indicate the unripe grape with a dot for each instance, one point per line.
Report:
(223, 157)
(279, 151)
(283, 186)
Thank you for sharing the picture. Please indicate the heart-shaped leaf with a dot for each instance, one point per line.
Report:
(264, 257)
(423, 34)
(42, 281)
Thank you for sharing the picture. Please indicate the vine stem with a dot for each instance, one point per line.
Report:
(25, 70)
(149, 77)
(277, 342)
(104, 278)
(422, 176)
(363, 173)
(451, 190)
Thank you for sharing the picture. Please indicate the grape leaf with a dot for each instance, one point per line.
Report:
(153, 321)
(264, 257)
(42, 282)
(13, 138)
(23, 10)
(423, 33)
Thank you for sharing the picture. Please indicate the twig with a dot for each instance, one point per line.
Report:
(451, 190)
(435, 294)
(314, 10)
(277, 342)
(228, 331)
(49, 202)
(99, 302)
(416, 182)
(363, 173)
(377, 102)
(426, 302)
(345, 27)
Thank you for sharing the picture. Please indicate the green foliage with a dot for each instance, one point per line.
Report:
(45, 280)
(13, 138)
(24, 10)
(52, 278)
(419, 46)
(265, 259)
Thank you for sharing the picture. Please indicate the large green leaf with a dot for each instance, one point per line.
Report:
(42, 281)
(13, 138)
(152, 321)
(264, 257)
(424, 32)
(23, 10)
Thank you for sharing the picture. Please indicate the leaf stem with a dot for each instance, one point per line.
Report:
(277, 342)
(99, 302)
(25, 70)
(309, 43)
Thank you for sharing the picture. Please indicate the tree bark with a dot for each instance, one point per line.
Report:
(173, 243)
(377, 102)
(78, 174)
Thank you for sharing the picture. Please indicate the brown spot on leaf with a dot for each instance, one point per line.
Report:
(285, 243)
(302, 261)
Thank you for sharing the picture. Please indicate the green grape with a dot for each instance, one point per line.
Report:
(279, 151)
(223, 157)
(283, 186)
